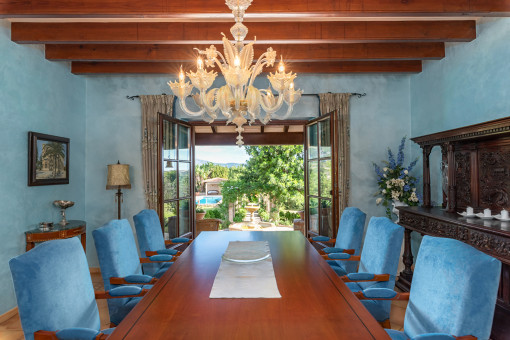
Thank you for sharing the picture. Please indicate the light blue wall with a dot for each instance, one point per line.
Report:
(41, 96)
(471, 85)
(113, 129)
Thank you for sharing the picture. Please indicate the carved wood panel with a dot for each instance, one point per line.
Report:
(494, 178)
(463, 178)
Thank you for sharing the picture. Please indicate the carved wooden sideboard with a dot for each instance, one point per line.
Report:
(476, 170)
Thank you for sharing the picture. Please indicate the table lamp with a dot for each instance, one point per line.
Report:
(118, 178)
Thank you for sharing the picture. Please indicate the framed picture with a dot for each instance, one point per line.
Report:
(48, 159)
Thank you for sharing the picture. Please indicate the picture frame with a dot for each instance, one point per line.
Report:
(48, 159)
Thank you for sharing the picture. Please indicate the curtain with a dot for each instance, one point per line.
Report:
(339, 102)
(151, 106)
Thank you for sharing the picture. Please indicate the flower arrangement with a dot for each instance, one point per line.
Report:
(395, 182)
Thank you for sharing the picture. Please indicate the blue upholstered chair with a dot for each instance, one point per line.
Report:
(453, 293)
(377, 264)
(120, 264)
(348, 239)
(151, 240)
(55, 294)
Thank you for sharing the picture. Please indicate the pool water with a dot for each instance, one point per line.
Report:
(208, 199)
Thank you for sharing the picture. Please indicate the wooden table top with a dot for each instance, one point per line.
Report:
(315, 302)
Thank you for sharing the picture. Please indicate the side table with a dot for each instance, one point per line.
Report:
(72, 229)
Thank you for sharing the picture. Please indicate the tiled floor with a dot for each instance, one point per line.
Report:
(11, 329)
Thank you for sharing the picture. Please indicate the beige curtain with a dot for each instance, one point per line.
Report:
(151, 105)
(340, 102)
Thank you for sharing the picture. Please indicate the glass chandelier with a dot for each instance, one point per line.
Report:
(238, 100)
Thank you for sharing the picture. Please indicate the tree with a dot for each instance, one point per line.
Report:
(274, 171)
(55, 152)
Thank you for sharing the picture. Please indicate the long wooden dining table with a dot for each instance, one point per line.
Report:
(315, 302)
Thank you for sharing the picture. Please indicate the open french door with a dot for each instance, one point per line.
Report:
(321, 176)
(176, 176)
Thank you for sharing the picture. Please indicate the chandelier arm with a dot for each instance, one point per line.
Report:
(261, 62)
(286, 115)
(275, 108)
(182, 103)
(203, 99)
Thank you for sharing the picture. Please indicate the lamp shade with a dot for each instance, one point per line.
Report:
(118, 176)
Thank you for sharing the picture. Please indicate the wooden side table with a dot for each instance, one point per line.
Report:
(74, 228)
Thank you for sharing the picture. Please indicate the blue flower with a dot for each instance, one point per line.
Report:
(411, 166)
(391, 158)
(400, 156)
(378, 171)
(407, 188)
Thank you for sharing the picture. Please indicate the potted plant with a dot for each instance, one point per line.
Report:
(200, 213)
(396, 185)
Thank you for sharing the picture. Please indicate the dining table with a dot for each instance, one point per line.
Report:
(315, 303)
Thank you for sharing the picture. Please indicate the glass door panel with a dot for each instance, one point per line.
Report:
(176, 177)
(325, 138)
(170, 220)
(321, 173)
(325, 180)
(312, 142)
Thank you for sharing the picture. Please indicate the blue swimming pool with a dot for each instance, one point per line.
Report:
(208, 199)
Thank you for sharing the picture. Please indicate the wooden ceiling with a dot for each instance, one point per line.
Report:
(280, 132)
(313, 36)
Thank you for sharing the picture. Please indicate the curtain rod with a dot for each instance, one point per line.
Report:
(359, 95)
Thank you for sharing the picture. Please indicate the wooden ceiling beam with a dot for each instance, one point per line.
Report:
(278, 32)
(197, 9)
(404, 66)
(290, 53)
(250, 138)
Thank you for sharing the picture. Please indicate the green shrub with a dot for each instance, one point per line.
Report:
(200, 210)
(214, 213)
(239, 215)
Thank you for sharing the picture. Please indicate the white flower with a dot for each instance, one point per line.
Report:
(406, 172)
(413, 197)
(414, 189)
(395, 195)
(383, 191)
(378, 201)
(385, 176)
(385, 169)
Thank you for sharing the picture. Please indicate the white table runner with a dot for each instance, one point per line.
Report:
(237, 277)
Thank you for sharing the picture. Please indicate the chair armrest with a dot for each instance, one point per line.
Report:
(329, 250)
(163, 252)
(359, 277)
(434, 336)
(381, 294)
(178, 240)
(341, 257)
(133, 279)
(70, 333)
(321, 239)
(122, 292)
(158, 258)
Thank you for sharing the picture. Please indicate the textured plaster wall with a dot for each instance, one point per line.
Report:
(41, 96)
(471, 85)
(113, 130)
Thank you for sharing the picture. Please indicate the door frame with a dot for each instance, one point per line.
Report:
(162, 117)
(334, 172)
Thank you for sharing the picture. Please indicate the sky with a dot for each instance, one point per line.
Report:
(221, 154)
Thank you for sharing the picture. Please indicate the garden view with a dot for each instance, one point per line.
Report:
(272, 177)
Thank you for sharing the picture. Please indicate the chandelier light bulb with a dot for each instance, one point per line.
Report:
(291, 86)
(181, 75)
(200, 63)
(281, 66)
(237, 61)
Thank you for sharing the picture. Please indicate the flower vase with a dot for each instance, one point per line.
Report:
(395, 204)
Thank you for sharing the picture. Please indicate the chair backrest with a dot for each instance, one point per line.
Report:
(53, 288)
(149, 232)
(150, 236)
(207, 224)
(350, 234)
(454, 290)
(116, 251)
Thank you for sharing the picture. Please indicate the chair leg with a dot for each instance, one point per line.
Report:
(385, 324)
